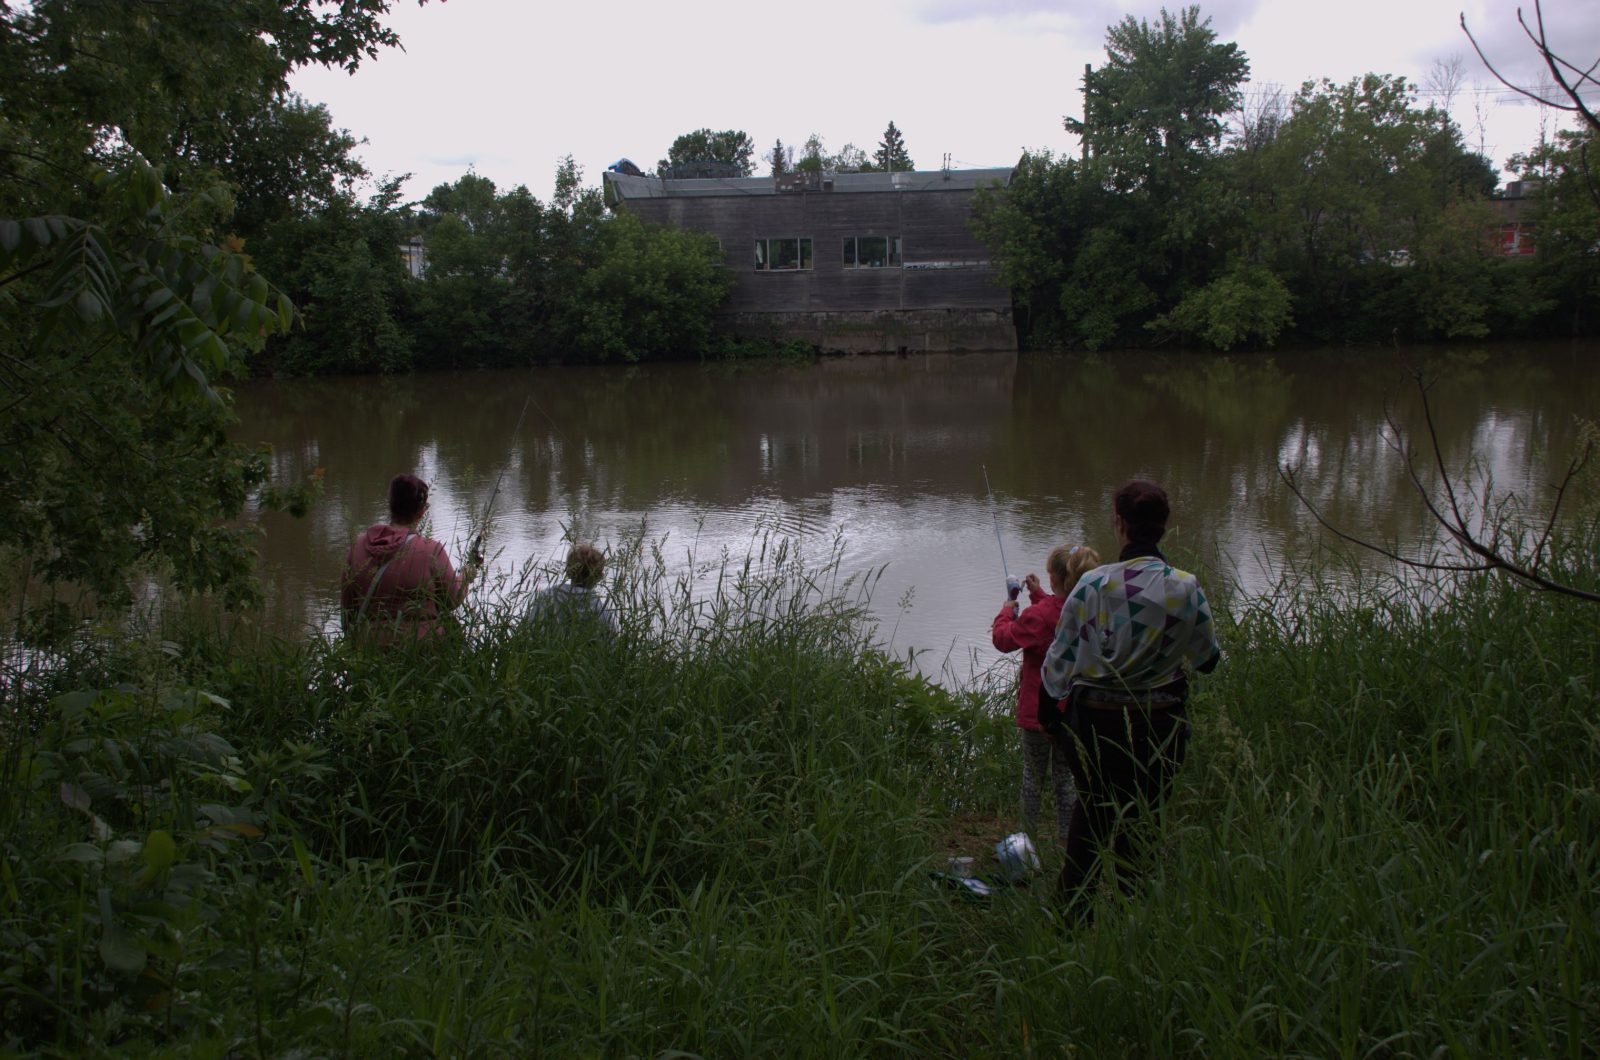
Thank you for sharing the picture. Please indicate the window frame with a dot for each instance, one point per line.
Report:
(893, 253)
(804, 254)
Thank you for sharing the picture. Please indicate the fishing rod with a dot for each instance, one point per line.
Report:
(1013, 587)
(477, 546)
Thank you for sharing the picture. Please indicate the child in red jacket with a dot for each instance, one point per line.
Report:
(1032, 629)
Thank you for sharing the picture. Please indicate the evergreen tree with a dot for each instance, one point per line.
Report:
(891, 153)
(779, 157)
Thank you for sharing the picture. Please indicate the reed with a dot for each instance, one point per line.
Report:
(712, 834)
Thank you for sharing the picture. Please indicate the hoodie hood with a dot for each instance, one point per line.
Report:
(384, 541)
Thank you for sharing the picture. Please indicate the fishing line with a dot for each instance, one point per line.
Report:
(489, 510)
(547, 416)
(994, 513)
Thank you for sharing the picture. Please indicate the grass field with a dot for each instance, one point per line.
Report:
(713, 835)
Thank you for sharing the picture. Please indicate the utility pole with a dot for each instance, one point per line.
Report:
(1085, 137)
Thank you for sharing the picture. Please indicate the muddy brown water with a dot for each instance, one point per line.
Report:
(885, 454)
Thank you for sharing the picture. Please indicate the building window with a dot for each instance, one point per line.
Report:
(780, 255)
(871, 252)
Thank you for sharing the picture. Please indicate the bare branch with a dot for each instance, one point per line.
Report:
(1459, 527)
(1573, 467)
(1408, 455)
(1541, 42)
(1491, 556)
(1498, 76)
(1558, 65)
(1291, 479)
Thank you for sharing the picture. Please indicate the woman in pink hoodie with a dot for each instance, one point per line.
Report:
(397, 582)
(1032, 629)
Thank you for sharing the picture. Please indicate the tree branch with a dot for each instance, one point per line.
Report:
(15, 276)
(1491, 556)
(1556, 64)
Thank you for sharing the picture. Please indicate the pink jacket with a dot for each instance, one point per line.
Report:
(416, 585)
(1032, 631)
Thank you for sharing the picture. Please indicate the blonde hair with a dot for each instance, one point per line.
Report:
(1071, 562)
(585, 564)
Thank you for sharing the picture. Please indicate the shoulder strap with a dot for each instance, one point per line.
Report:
(376, 578)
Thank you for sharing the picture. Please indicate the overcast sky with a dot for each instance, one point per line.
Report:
(509, 87)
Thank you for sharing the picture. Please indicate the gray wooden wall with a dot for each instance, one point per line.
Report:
(932, 226)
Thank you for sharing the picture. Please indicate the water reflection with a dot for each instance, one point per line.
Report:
(887, 451)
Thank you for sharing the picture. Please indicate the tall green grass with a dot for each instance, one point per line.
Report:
(712, 835)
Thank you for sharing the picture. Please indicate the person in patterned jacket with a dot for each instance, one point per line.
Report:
(1130, 634)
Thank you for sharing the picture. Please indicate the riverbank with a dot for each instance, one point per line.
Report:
(713, 834)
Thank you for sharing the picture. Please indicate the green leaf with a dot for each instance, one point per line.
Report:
(144, 188)
(10, 237)
(82, 854)
(75, 797)
(236, 784)
(120, 950)
(159, 853)
(302, 858)
(158, 298)
(88, 306)
(201, 296)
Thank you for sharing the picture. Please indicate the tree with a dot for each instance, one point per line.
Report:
(284, 160)
(1096, 248)
(1567, 217)
(1487, 532)
(891, 154)
(1372, 209)
(89, 83)
(780, 158)
(341, 266)
(731, 146)
(651, 292)
(1063, 245)
(1153, 112)
(118, 331)
(1249, 303)
(1154, 123)
(813, 156)
(487, 296)
(123, 306)
(852, 159)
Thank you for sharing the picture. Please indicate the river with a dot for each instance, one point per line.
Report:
(888, 454)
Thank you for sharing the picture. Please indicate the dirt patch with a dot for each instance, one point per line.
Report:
(974, 834)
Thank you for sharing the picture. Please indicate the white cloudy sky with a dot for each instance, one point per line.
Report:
(508, 87)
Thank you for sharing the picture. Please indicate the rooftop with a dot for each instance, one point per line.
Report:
(631, 187)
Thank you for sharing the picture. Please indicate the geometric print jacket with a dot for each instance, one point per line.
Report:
(1131, 626)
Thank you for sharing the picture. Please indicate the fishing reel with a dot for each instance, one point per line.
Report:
(1013, 587)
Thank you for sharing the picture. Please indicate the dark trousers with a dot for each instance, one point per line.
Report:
(1123, 761)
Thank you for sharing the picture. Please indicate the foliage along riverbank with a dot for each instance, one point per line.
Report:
(713, 834)
(1337, 213)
